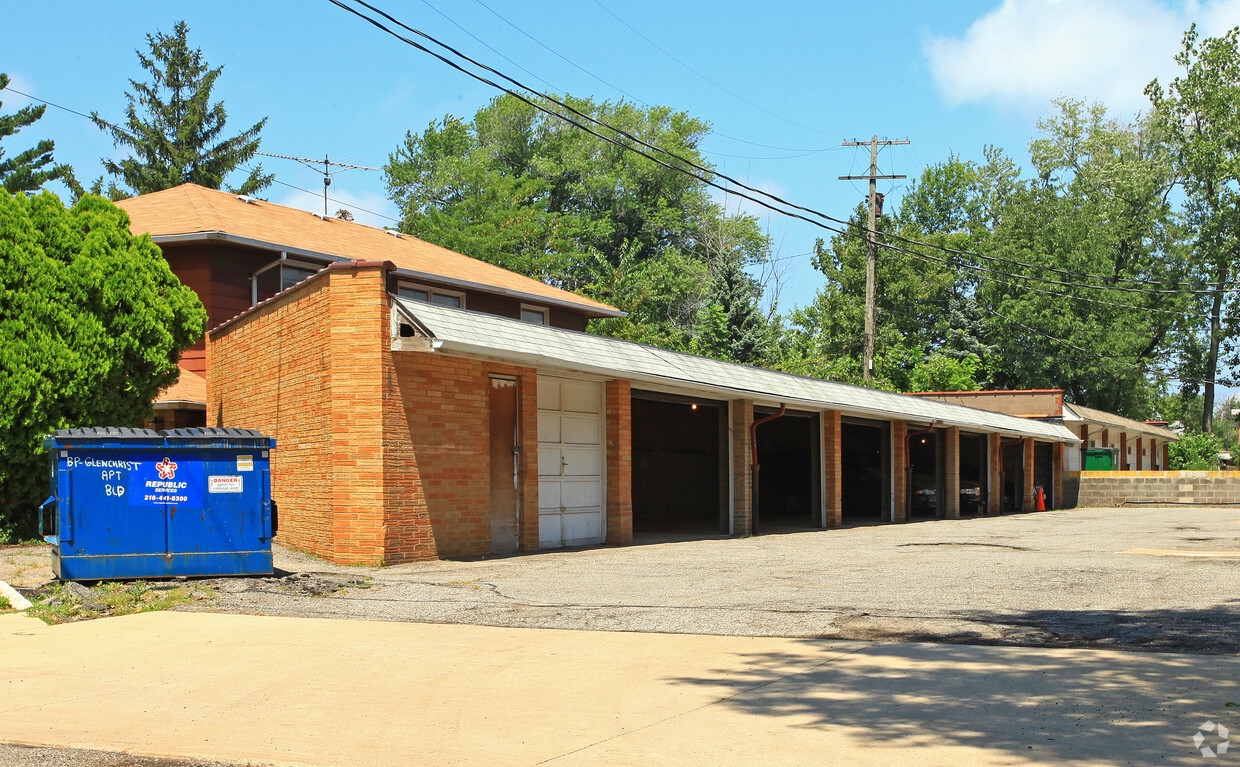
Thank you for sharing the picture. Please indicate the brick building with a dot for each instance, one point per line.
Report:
(427, 405)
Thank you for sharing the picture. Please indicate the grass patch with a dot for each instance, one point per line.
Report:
(5, 605)
(68, 602)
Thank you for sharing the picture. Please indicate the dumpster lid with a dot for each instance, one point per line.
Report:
(203, 432)
(109, 432)
(221, 437)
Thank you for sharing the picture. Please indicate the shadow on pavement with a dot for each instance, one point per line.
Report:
(1063, 706)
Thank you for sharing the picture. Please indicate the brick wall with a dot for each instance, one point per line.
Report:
(951, 472)
(619, 422)
(1115, 488)
(1027, 494)
(994, 480)
(899, 463)
(439, 464)
(270, 371)
(742, 480)
(832, 495)
(380, 456)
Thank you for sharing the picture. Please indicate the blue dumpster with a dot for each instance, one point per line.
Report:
(136, 503)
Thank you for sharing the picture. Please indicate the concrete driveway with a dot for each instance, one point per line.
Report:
(1144, 578)
(296, 691)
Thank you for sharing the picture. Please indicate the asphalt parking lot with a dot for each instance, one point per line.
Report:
(1163, 579)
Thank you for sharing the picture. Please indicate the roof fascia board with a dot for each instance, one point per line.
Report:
(729, 393)
(174, 239)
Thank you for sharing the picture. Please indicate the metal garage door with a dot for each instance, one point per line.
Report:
(570, 462)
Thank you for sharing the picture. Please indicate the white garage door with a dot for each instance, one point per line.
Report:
(570, 463)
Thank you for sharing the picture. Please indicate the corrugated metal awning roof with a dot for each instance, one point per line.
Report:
(462, 331)
(1073, 412)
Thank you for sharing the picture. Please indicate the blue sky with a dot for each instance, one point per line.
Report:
(782, 83)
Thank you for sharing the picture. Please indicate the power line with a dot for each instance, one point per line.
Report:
(737, 96)
(688, 162)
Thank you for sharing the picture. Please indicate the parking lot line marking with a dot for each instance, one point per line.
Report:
(1182, 553)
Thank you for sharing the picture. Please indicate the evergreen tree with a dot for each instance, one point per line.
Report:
(92, 322)
(31, 169)
(173, 130)
(731, 326)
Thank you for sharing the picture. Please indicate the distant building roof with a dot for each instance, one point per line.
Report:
(190, 213)
(1081, 413)
(190, 388)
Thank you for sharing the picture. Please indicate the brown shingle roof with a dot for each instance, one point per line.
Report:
(190, 387)
(191, 209)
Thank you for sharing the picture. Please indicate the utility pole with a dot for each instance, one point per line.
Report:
(875, 201)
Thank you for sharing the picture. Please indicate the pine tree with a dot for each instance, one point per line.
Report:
(31, 169)
(173, 130)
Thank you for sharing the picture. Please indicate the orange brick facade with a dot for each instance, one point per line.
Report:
(383, 456)
(832, 495)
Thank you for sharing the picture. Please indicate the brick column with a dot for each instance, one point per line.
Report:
(994, 475)
(1166, 464)
(742, 490)
(619, 462)
(1027, 499)
(1140, 458)
(1057, 478)
(1123, 451)
(357, 298)
(832, 491)
(527, 423)
(1106, 438)
(951, 472)
(899, 471)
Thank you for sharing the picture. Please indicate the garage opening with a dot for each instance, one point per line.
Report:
(973, 474)
(1044, 471)
(679, 465)
(1013, 476)
(865, 472)
(925, 490)
(788, 487)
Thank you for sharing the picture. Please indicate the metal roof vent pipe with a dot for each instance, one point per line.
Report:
(754, 527)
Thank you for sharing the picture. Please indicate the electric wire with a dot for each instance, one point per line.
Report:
(737, 96)
(708, 171)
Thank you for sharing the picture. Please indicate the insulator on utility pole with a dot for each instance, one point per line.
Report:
(875, 205)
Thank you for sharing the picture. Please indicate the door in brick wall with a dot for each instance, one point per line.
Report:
(570, 462)
(503, 418)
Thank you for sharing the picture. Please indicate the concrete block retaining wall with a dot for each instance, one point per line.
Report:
(1115, 488)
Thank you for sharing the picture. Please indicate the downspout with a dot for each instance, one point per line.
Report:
(753, 466)
(908, 466)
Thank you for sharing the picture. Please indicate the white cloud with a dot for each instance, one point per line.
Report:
(1026, 52)
(358, 204)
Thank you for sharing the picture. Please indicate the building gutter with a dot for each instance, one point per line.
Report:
(765, 398)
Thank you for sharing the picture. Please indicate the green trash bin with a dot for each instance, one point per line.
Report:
(1100, 459)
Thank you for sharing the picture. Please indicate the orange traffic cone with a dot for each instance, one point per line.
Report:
(1041, 504)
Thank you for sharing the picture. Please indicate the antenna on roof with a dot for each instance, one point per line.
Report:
(327, 169)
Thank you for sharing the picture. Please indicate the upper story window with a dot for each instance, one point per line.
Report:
(536, 315)
(432, 295)
(291, 275)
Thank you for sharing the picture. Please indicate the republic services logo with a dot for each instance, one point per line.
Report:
(1220, 747)
(167, 469)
